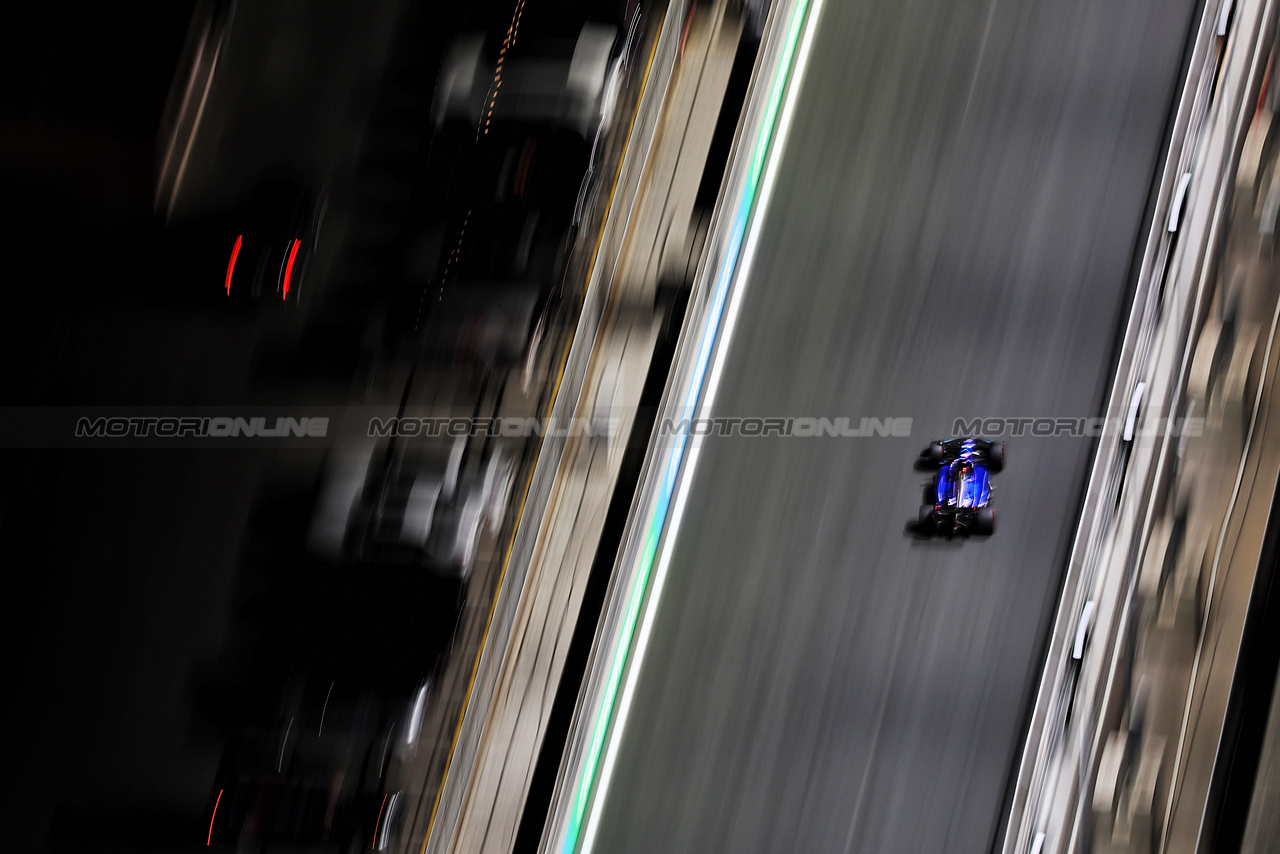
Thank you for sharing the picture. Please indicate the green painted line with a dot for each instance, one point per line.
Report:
(601, 726)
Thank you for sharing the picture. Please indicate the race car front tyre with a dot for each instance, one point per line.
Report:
(985, 522)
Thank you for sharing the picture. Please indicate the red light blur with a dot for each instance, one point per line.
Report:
(374, 846)
(209, 840)
(288, 270)
(231, 266)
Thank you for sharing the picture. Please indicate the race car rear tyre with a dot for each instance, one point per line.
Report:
(995, 457)
(985, 523)
(926, 517)
(934, 453)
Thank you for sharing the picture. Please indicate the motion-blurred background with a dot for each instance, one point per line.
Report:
(927, 214)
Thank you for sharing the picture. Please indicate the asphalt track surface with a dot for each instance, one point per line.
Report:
(952, 235)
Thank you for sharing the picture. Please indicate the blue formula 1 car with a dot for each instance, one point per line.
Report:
(962, 493)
